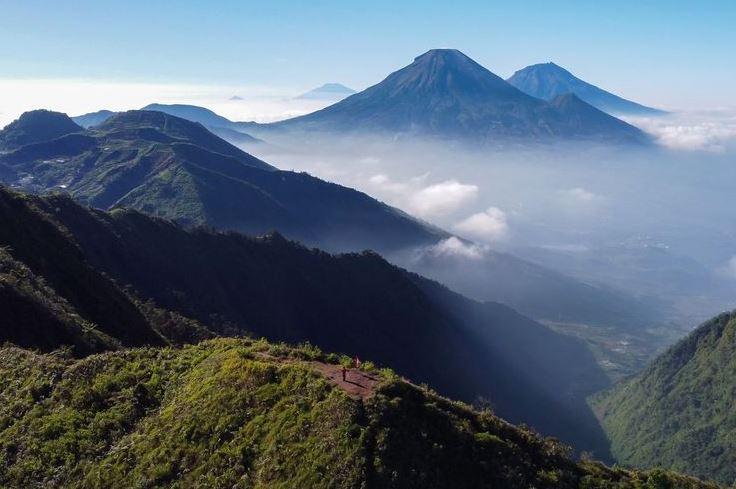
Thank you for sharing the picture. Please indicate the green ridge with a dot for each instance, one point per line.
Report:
(244, 413)
(679, 413)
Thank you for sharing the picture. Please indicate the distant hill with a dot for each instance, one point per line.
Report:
(36, 126)
(328, 91)
(230, 413)
(355, 303)
(173, 168)
(548, 81)
(446, 94)
(93, 118)
(679, 412)
(223, 127)
(193, 113)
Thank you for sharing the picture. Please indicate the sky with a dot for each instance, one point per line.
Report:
(667, 53)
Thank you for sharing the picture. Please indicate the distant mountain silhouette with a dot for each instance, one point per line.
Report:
(93, 118)
(328, 91)
(445, 93)
(219, 125)
(193, 113)
(36, 126)
(548, 81)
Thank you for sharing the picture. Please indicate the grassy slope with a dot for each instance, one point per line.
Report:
(243, 413)
(679, 413)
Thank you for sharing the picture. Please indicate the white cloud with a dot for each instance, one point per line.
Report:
(710, 131)
(441, 198)
(426, 201)
(488, 226)
(454, 247)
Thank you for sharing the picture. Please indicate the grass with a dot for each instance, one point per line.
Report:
(248, 413)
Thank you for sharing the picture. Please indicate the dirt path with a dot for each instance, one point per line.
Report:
(357, 384)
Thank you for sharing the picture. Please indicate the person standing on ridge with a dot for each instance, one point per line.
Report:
(356, 362)
(344, 372)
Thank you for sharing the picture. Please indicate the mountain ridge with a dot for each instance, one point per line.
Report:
(173, 168)
(227, 412)
(274, 288)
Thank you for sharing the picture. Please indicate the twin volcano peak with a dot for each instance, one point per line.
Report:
(444, 93)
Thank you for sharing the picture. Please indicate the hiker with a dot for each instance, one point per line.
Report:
(356, 361)
(344, 372)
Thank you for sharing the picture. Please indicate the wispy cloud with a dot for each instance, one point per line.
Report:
(488, 226)
(455, 248)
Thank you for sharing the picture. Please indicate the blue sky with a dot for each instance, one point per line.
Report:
(671, 53)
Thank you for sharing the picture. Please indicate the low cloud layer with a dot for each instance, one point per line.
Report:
(713, 131)
(75, 97)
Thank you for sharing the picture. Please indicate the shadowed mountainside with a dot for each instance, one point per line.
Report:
(356, 303)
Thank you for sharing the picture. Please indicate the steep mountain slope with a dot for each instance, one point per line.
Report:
(355, 303)
(328, 91)
(679, 412)
(173, 168)
(548, 81)
(52, 296)
(35, 316)
(239, 413)
(36, 126)
(444, 93)
(63, 295)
